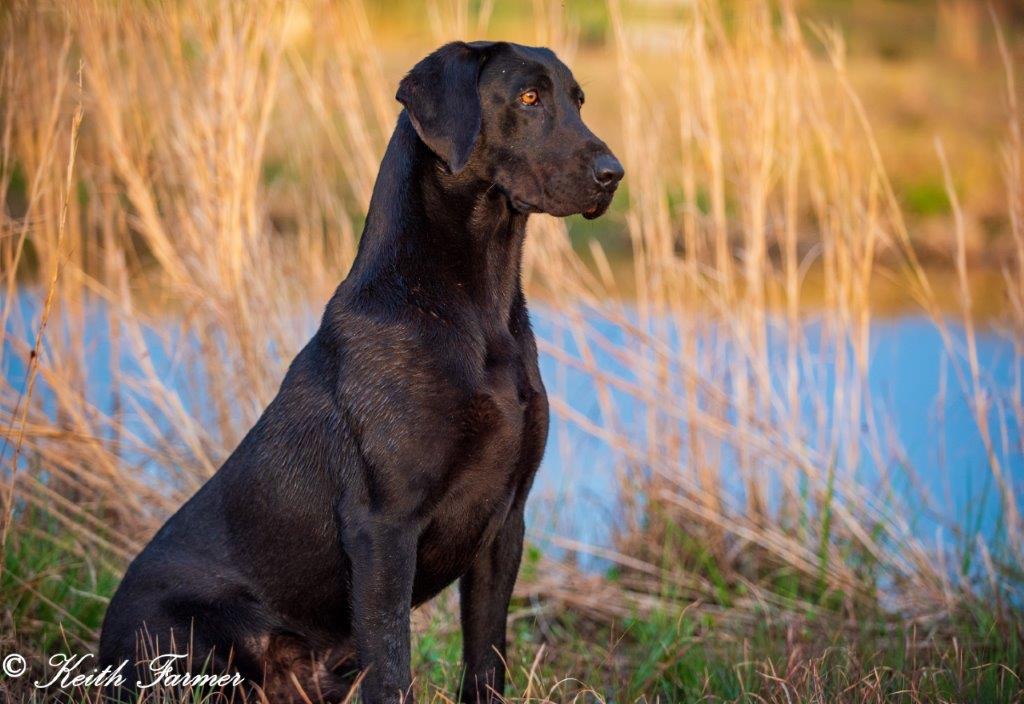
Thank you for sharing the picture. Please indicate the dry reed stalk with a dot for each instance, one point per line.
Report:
(24, 401)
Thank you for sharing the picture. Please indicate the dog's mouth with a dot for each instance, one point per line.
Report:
(523, 206)
(598, 209)
(594, 210)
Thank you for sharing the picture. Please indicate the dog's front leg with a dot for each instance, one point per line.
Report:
(485, 591)
(383, 556)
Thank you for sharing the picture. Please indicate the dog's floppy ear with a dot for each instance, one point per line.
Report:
(441, 96)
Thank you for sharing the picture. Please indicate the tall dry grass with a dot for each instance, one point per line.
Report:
(186, 180)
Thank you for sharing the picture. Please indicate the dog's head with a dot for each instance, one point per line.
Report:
(510, 115)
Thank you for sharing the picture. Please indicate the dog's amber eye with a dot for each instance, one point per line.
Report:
(530, 97)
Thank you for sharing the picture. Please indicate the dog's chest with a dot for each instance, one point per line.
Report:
(495, 429)
(491, 416)
(485, 465)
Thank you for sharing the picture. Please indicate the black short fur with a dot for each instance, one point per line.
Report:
(399, 451)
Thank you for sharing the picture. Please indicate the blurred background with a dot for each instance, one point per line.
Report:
(922, 69)
(785, 368)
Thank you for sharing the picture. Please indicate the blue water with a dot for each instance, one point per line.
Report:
(576, 492)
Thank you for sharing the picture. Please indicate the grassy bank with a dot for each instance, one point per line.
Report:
(190, 178)
(677, 651)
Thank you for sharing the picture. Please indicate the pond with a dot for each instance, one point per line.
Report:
(927, 415)
(937, 470)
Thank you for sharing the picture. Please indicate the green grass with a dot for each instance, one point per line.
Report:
(677, 651)
(680, 655)
(58, 598)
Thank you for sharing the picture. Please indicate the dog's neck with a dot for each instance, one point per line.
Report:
(435, 237)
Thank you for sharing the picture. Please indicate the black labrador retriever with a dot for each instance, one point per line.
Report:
(402, 444)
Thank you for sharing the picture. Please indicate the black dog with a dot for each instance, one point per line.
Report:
(399, 451)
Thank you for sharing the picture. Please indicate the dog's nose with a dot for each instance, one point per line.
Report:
(607, 170)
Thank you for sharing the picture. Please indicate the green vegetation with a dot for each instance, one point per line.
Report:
(928, 198)
(678, 651)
